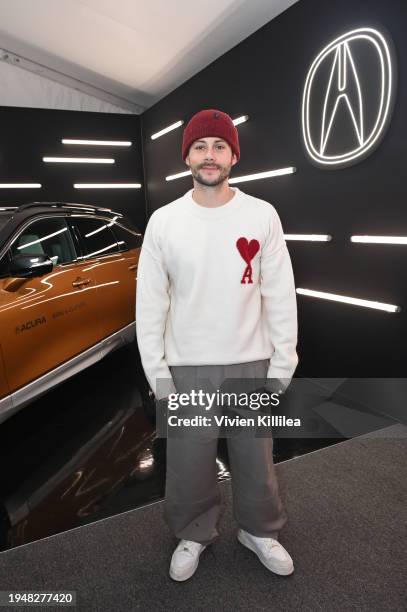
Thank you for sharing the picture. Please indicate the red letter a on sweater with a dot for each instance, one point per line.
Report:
(247, 274)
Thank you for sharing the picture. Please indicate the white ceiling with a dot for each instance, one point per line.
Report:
(130, 52)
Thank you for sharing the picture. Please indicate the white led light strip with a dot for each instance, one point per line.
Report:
(20, 185)
(349, 300)
(172, 177)
(102, 143)
(107, 185)
(262, 175)
(79, 160)
(380, 239)
(240, 120)
(171, 127)
(309, 237)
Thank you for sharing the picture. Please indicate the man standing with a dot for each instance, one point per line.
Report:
(216, 300)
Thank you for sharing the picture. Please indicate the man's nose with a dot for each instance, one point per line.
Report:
(209, 154)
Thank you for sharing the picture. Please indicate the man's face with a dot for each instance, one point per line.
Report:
(210, 160)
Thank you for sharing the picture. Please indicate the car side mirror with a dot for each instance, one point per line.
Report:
(30, 266)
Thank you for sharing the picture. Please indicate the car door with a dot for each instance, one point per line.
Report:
(114, 264)
(48, 319)
(129, 241)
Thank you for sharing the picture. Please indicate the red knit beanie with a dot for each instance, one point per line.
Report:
(210, 122)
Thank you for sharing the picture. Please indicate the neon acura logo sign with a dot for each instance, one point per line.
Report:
(347, 100)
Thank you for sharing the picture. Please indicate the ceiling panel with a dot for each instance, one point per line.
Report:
(133, 49)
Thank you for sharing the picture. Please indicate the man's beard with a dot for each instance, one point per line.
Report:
(224, 173)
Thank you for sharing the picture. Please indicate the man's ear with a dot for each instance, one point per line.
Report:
(187, 160)
(234, 159)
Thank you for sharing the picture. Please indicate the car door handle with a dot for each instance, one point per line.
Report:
(133, 267)
(81, 281)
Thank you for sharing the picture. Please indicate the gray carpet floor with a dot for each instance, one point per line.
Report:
(347, 534)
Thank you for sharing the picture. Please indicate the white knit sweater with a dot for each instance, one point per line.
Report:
(215, 286)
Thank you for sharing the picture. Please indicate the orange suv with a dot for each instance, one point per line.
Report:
(67, 294)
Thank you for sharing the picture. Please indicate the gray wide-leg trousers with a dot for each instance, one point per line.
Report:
(192, 505)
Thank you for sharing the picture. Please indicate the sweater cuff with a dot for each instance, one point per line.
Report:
(277, 385)
(163, 388)
(277, 382)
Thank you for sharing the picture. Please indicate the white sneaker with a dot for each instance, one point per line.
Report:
(269, 551)
(185, 559)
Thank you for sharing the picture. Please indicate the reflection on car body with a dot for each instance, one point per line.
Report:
(83, 454)
(67, 294)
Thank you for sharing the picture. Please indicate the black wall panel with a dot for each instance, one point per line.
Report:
(27, 135)
(264, 77)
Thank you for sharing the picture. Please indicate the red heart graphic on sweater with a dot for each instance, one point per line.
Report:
(247, 249)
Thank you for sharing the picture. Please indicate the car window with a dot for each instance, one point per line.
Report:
(125, 238)
(96, 236)
(46, 236)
